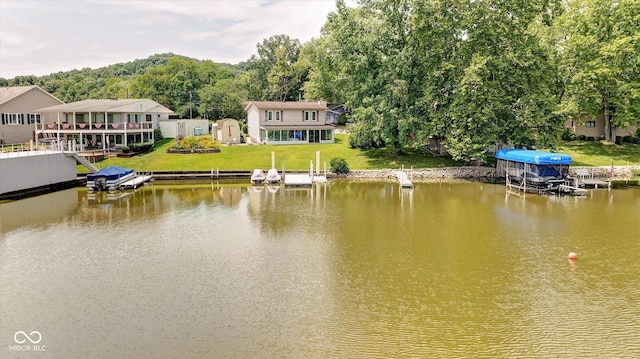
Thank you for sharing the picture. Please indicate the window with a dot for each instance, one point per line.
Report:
(309, 115)
(274, 115)
(591, 124)
(12, 119)
(33, 118)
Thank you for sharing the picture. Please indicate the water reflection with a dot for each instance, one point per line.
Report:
(357, 270)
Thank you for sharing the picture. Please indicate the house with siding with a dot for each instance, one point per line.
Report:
(289, 122)
(103, 124)
(594, 128)
(17, 112)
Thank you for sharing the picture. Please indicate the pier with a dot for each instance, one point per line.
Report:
(403, 179)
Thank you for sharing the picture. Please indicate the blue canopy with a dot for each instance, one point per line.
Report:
(111, 173)
(533, 157)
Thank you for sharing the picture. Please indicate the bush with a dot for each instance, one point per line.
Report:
(339, 165)
(568, 135)
(157, 134)
(140, 147)
(126, 149)
(582, 137)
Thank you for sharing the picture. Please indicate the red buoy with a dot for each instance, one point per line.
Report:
(573, 255)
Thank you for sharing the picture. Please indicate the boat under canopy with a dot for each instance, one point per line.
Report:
(109, 177)
(534, 170)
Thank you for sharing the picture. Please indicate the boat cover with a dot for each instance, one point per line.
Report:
(110, 173)
(533, 157)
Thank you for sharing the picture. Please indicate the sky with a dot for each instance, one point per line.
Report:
(48, 36)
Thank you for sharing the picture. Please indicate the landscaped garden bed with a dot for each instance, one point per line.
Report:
(194, 144)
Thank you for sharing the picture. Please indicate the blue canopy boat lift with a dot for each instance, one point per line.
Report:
(536, 171)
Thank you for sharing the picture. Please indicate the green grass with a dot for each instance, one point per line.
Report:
(297, 157)
(596, 153)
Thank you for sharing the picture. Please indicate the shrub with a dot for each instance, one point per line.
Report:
(157, 134)
(568, 135)
(140, 147)
(126, 149)
(339, 165)
(582, 137)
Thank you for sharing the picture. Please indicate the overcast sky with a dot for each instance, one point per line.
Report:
(43, 37)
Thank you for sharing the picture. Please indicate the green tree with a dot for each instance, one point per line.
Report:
(277, 73)
(224, 99)
(600, 45)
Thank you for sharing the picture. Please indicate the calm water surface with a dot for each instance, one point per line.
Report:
(348, 270)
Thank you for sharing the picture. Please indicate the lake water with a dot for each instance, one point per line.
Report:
(346, 270)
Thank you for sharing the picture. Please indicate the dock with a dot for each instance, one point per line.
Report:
(403, 179)
(586, 180)
(297, 180)
(136, 182)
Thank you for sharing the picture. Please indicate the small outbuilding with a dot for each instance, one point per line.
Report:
(228, 131)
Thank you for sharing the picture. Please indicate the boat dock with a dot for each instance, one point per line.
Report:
(136, 182)
(298, 180)
(585, 179)
(403, 179)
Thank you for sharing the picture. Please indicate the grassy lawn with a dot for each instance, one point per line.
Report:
(297, 157)
(596, 153)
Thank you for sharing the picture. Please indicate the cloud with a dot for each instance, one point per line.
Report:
(42, 37)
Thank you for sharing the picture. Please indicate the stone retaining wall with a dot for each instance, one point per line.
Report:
(486, 174)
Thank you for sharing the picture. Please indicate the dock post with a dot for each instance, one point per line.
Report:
(273, 159)
(317, 163)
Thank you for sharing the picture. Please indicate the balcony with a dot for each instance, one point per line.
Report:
(95, 127)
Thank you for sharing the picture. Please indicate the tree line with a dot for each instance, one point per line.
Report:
(474, 74)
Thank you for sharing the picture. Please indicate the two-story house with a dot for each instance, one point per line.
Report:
(275, 122)
(17, 112)
(102, 124)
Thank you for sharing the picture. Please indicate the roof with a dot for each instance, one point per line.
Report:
(287, 105)
(9, 93)
(533, 157)
(109, 105)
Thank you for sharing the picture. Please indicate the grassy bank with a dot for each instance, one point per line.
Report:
(596, 153)
(297, 157)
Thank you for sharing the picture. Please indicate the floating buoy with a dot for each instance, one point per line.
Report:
(573, 255)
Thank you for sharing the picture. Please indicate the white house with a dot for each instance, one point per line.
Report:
(275, 122)
(103, 124)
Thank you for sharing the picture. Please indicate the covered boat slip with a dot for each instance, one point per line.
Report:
(536, 171)
(114, 178)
